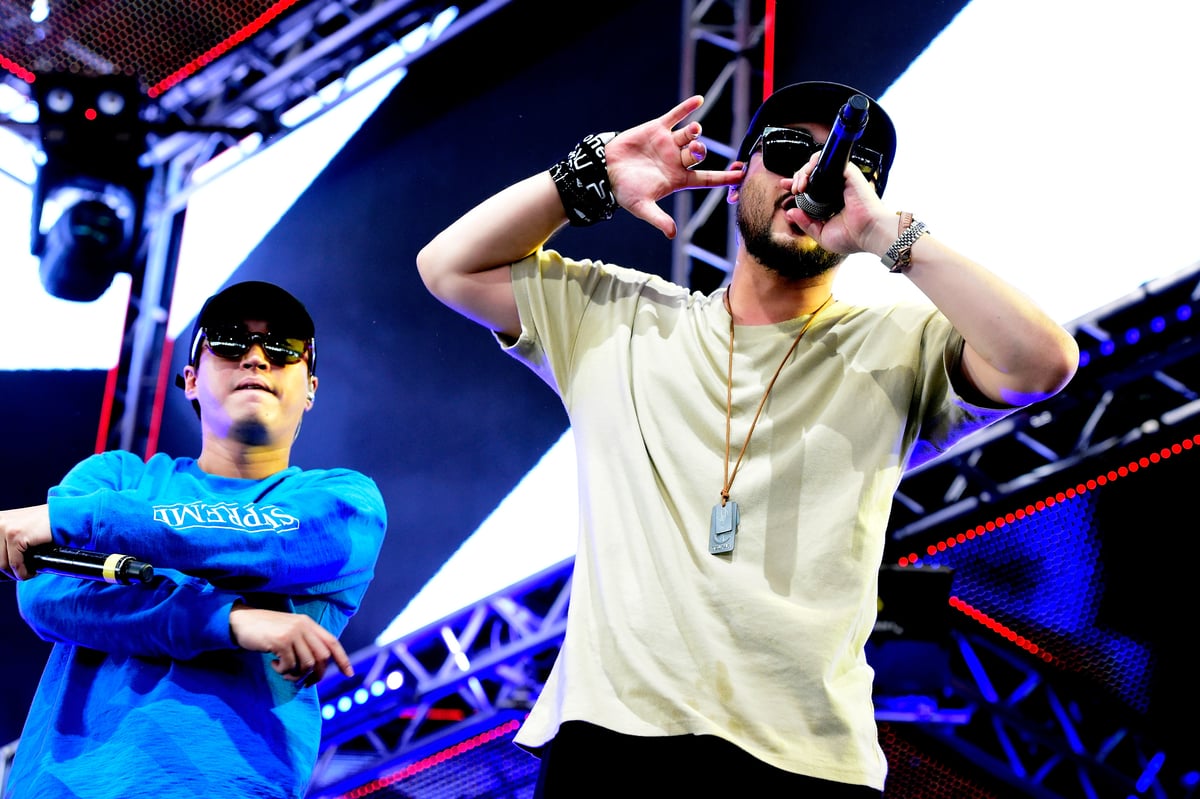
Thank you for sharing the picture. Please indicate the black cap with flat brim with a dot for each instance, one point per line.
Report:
(255, 299)
(819, 102)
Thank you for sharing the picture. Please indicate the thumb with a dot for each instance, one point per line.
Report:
(651, 213)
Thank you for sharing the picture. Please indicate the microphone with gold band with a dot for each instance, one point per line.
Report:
(85, 564)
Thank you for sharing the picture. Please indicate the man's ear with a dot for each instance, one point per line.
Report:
(189, 382)
(734, 192)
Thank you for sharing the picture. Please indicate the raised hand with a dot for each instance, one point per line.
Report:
(655, 159)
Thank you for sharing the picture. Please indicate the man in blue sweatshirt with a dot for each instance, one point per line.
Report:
(200, 682)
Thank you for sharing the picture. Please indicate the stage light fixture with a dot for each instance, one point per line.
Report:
(90, 195)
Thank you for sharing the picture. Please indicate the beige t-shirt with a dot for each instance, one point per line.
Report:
(763, 646)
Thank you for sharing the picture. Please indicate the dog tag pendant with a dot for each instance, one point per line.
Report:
(723, 529)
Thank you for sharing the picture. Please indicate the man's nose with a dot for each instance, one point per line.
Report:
(255, 357)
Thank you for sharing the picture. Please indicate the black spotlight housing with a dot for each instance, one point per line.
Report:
(92, 138)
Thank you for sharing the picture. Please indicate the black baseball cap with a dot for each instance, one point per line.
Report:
(255, 299)
(820, 101)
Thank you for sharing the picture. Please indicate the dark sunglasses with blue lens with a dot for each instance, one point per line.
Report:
(234, 341)
(786, 150)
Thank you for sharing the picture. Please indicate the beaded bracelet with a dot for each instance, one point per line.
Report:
(582, 181)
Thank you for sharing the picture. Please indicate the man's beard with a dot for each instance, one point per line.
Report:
(791, 259)
(250, 432)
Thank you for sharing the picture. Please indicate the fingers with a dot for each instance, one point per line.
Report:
(799, 181)
(710, 178)
(681, 111)
(21, 529)
(342, 660)
(657, 158)
(303, 649)
(692, 152)
(314, 652)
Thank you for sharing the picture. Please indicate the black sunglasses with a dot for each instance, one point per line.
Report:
(786, 150)
(232, 344)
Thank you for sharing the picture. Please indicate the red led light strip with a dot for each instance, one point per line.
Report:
(16, 69)
(1111, 476)
(769, 50)
(433, 760)
(110, 391)
(196, 64)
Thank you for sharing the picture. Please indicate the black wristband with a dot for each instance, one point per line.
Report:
(582, 182)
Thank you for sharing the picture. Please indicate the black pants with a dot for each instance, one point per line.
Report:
(586, 760)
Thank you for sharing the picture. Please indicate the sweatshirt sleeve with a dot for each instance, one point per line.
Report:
(174, 616)
(316, 532)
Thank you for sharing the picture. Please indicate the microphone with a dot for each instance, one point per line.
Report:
(88, 565)
(824, 195)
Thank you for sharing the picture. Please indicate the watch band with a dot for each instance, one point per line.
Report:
(899, 255)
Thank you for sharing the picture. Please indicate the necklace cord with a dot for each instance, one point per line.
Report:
(729, 477)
